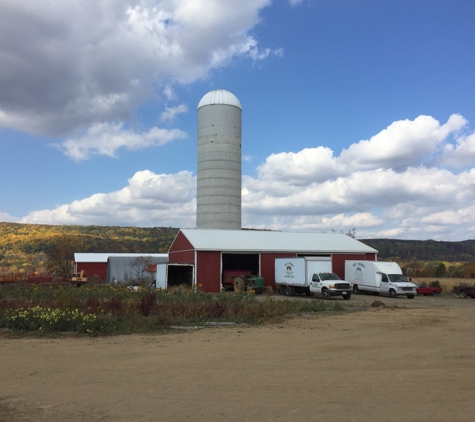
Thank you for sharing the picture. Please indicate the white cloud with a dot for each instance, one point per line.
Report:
(461, 154)
(7, 218)
(337, 222)
(412, 202)
(402, 144)
(76, 65)
(149, 199)
(106, 139)
(170, 113)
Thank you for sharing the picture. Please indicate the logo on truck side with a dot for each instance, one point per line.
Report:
(289, 273)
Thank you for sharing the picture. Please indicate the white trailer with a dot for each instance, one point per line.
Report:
(309, 275)
(378, 278)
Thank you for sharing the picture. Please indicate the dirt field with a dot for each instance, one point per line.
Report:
(384, 364)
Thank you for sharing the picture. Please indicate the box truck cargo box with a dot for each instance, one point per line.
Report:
(309, 275)
(378, 278)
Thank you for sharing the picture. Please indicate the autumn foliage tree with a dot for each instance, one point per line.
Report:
(60, 254)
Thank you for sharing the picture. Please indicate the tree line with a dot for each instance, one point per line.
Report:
(30, 247)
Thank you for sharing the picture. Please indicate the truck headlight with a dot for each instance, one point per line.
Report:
(331, 286)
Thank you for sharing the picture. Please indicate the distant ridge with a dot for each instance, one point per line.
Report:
(24, 245)
(423, 250)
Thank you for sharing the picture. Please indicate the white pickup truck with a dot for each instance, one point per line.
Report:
(309, 275)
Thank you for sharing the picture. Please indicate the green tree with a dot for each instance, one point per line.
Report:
(440, 270)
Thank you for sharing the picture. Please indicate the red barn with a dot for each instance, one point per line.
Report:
(212, 253)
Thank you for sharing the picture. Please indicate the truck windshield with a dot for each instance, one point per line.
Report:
(328, 276)
(397, 278)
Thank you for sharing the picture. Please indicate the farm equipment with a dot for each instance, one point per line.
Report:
(247, 283)
(78, 279)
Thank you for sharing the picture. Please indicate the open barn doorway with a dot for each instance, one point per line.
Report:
(237, 264)
(175, 276)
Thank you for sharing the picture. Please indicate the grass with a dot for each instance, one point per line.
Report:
(106, 309)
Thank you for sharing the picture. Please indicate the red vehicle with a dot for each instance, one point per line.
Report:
(424, 289)
(464, 291)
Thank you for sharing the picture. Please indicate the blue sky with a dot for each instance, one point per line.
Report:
(357, 114)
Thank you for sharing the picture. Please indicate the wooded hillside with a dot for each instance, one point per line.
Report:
(423, 250)
(24, 246)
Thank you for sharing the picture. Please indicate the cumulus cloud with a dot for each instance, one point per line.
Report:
(7, 218)
(392, 179)
(459, 155)
(402, 144)
(148, 199)
(106, 139)
(420, 200)
(170, 113)
(77, 65)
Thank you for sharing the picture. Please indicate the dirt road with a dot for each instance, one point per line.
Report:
(383, 364)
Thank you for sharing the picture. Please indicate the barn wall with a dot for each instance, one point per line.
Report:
(208, 271)
(268, 266)
(181, 251)
(91, 268)
(338, 261)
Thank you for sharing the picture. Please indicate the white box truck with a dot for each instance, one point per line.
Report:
(309, 275)
(378, 278)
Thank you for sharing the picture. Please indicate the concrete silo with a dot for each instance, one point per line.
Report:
(219, 161)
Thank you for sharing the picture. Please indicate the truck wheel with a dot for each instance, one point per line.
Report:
(392, 294)
(325, 294)
(433, 293)
(356, 289)
(410, 296)
(463, 294)
(347, 296)
(289, 291)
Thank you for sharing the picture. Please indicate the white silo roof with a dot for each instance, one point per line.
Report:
(220, 96)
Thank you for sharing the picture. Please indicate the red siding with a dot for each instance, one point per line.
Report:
(208, 271)
(181, 251)
(338, 261)
(268, 266)
(91, 268)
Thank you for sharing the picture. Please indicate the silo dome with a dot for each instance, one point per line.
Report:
(220, 96)
(218, 204)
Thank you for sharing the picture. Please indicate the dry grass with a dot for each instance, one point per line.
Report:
(447, 284)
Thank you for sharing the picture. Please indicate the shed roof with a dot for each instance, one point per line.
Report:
(103, 257)
(273, 241)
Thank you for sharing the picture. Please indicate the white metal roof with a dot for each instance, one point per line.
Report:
(274, 241)
(220, 96)
(103, 257)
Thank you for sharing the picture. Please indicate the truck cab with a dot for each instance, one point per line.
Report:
(396, 284)
(329, 284)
